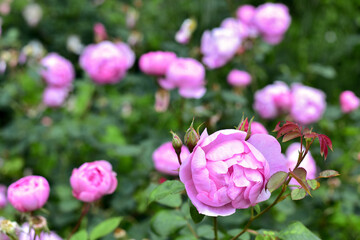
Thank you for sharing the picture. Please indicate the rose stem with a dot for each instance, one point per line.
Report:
(301, 157)
(84, 211)
(215, 228)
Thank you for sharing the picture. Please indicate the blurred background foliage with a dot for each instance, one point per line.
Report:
(118, 122)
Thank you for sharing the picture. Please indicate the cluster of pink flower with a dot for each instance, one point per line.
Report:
(270, 20)
(304, 104)
(187, 74)
(58, 74)
(89, 183)
(224, 172)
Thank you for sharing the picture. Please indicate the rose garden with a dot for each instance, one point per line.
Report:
(179, 120)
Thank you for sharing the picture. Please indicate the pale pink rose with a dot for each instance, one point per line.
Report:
(308, 104)
(54, 96)
(3, 199)
(156, 63)
(219, 46)
(28, 234)
(127, 52)
(100, 32)
(236, 25)
(349, 101)
(272, 20)
(165, 158)
(28, 193)
(188, 75)
(258, 128)
(238, 78)
(245, 13)
(272, 100)
(57, 71)
(106, 62)
(225, 172)
(292, 155)
(92, 180)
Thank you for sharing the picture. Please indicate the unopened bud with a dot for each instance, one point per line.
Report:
(39, 224)
(191, 137)
(176, 142)
(119, 233)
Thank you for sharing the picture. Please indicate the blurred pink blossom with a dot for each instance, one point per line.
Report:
(55, 96)
(272, 20)
(187, 28)
(258, 128)
(238, 78)
(156, 63)
(349, 101)
(106, 62)
(308, 104)
(165, 159)
(188, 75)
(100, 32)
(3, 198)
(57, 71)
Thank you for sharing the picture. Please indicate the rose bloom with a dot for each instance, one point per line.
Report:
(308, 104)
(219, 46)
(57, 71)
(258, 128)
(156, 63)
(106, 62)
(349, 101)
(3, 199)
(92, 180)
(238, 78)
(238, 26)
(188, 75)
(54, 96)
(272, 20)
(29, 193)
(245, 13)
(292, 155)
(272, 100)
(225, 172)
(166, 160)
(28, 234)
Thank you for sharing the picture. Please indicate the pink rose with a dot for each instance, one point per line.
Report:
(3, 199)
(272, 20)
(92, 180)
(238, 78)
(236, 25)
(245, 13)
(292, 155)
(29, 193)
(57, 71)
(156, 63)
(308, 104)
(225, 172)
(272, 100)
(106, 62)
(219, 46)
(28, 234)
(349, 101)
(165, 158)
(258, 128)
(54, 96)
(188, 75)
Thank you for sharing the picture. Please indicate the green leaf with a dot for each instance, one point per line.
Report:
(313, 184)
(257, 208)
(80, 235)
(206, 231)
(165, 189)
(297, 231)
(266, 235)
(173, 200)
(298, 193)
(276, 181)
(105, 228)
(167, 222)
(84, 92)
(195, 215)
(328, 174)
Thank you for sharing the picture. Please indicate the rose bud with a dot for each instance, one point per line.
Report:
(29, 193)
(92, 180)
(156, 63)
(349, 101)
(239, 78)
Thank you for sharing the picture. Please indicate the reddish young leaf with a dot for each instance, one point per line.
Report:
(328, 174)
(300, 175)
(325, 143)
(289, 130)
(291, 135)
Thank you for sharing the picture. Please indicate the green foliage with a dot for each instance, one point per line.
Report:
(165, 189)
(297, 231)
(105, 228)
